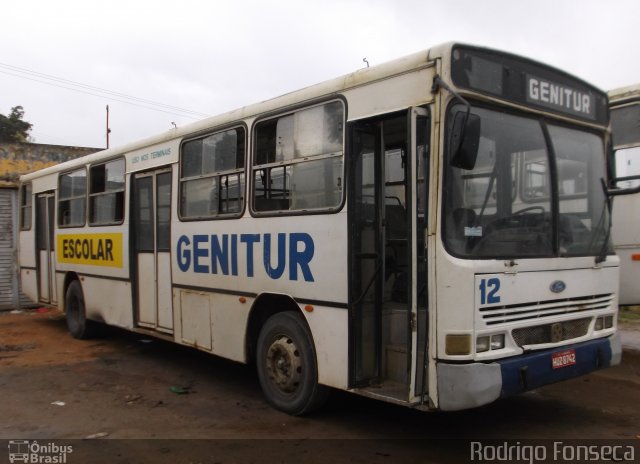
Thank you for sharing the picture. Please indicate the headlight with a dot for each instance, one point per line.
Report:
(489, 342)
(482, 344)
(603, 322)
(599, 323)
(497, 342)
(608, 322)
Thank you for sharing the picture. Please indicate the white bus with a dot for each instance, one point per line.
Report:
(431, 232)
(624, 104)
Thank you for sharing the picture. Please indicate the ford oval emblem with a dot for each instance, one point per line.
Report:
(558, 286)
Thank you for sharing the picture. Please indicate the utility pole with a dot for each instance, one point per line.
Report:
(108, 130)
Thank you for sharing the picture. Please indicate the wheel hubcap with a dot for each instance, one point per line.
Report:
(284, 365)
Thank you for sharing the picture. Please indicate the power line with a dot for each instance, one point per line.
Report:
(74, 86)
(97, 89)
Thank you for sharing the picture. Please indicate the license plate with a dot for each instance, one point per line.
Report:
(563, 359)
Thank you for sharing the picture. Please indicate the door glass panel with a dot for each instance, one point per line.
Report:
(422, 159)
(382, 211)
(366, 281)
(144, 214)
(163, 208)
(50, 225)
(41, 223)
(397, 259)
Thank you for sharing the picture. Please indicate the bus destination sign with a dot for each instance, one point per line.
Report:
(526, 82)
(560, 97)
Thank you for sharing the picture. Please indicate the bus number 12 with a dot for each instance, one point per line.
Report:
(489, 291)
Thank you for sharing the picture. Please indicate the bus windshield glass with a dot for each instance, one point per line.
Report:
(528, 195)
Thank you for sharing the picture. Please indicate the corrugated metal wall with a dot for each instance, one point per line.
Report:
(7, 248)
(10, 295)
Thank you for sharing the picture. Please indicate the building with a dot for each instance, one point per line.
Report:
(17, 159)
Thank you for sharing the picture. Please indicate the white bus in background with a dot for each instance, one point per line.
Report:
(433, 232)
(624, 104)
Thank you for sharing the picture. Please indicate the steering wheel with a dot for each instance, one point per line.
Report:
(531, 208)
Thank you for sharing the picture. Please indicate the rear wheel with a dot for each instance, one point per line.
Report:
(77, 322)
(286, 363)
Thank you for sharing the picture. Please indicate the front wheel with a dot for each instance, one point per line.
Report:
(77, 322)
(286, 363)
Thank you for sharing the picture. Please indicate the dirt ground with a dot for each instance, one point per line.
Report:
(124, 386)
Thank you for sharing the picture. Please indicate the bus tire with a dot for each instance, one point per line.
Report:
(286, 364)
(77, 323)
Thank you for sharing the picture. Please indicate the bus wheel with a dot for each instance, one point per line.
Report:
(286, 363)
(77, 323)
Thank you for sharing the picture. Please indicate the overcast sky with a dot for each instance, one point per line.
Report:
(213, 56)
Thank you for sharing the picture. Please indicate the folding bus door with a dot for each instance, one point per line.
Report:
(387, 229)
(45, 238)
(151, 221)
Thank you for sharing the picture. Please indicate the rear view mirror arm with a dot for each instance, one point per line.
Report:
(438, 82)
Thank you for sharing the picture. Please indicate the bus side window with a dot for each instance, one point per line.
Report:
(106, 193)
(298, 163)
(212, 175)
(72, 198)
(25, 207)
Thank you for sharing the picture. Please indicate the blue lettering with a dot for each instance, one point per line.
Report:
(184, 255)
(300, 258)
(234, 254)
(204, 254)
(275, 273)
(220, 254)
(249, 239)
(199, 253)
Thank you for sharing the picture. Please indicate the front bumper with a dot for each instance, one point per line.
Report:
(463, 386)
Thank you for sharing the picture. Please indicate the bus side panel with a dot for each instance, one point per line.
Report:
(626, 238)
(27, 248)
(27, 259)
(107, 300)
(330, 331)
(211, 322)
(629, 272)
(194, 309)
(401, 92)
(303, 256)
(29, 283)
(227, 315)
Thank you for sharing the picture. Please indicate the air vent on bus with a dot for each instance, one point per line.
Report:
(526, 311)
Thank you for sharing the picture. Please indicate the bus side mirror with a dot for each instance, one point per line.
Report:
(464, 140)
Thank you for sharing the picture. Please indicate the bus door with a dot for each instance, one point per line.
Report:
(151, 220)
(387, 286)
(45, 239)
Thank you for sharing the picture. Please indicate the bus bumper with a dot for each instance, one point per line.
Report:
(463, 386)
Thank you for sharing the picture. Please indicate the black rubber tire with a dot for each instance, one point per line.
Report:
(285, 342)
(77, 323)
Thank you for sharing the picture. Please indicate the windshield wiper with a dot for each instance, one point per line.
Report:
(494, 174)
(602, 255)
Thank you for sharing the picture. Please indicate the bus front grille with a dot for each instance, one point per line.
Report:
(528, 311)
(551, 333)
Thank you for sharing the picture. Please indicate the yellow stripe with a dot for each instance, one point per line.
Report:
(92, 249)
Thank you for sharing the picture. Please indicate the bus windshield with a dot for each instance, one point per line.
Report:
(529, 194)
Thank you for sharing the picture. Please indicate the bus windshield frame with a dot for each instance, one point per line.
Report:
(536, 190)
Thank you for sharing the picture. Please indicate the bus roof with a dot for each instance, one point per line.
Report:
(363, 76)
(624, 94)
(333, 86)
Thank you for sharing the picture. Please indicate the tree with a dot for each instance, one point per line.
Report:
(13, 128)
